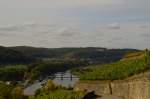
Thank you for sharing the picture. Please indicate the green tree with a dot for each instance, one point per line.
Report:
(50, 86)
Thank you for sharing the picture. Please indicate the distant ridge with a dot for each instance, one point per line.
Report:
(91, 54)
(8, 56)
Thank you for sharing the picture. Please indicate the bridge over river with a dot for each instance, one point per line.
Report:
(62, 78)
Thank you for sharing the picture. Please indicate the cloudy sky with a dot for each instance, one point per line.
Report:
(75, 23)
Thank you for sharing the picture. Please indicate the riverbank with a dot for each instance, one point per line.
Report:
(67, 81)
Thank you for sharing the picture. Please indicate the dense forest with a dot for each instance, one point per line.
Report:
(10, 56)
(91, 54)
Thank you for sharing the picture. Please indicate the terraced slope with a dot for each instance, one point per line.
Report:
(137, 63)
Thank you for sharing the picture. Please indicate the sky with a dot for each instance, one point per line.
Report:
(75, 23)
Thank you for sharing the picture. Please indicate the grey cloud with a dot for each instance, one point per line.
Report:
(3, 34)
(28, 30)
(69, 3)
(24, 27)
(146, 35)
(115, 26)
(117, 39)
(64, 12)
(144, 26)
(56, 3)
(10, 28)
(69, 32)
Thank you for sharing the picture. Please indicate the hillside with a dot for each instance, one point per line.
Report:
(125, 68)
(91, 54)
(9, 56)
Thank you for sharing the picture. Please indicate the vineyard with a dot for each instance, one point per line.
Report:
(117, 70)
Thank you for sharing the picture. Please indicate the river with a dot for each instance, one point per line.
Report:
(65, 79)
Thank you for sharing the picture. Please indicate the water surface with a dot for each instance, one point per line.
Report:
(68, 81)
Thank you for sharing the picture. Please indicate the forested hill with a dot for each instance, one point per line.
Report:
(9, 56)
(91, 54)
(54, 52)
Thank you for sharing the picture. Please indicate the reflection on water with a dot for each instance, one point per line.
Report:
(67, 81)
(32, 88)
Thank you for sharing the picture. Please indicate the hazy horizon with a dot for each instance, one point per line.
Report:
(69, 23)
(72, 47)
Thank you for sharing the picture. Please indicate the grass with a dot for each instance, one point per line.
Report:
(115, 71)
(5, 90)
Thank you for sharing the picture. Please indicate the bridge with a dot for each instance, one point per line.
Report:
(62, 76)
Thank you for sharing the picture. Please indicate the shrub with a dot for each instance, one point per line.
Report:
(17, 93)
(49, 86)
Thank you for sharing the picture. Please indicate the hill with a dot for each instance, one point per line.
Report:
(9, 56)
(137, 63)
(91, 54)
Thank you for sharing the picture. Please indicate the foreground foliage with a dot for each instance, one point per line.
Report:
(59, 94)
(118, 70)
(12, 72)
(11, 92)
(51, 91)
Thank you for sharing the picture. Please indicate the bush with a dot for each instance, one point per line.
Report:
(17, 93)
(51, 91)
(1, 97)
(49, 86)
(12, 72)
